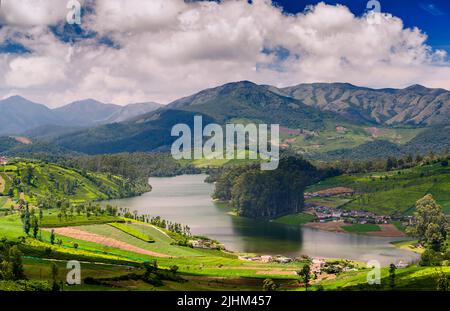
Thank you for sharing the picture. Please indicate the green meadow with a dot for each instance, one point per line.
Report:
(361, 228)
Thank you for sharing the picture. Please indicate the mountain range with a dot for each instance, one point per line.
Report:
(414, 105)
(342, 115)
(21, 116)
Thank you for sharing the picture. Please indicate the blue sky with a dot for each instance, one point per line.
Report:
(431, 16)
(128, 51)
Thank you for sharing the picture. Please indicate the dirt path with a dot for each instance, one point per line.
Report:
(99, 239)
(275, 271)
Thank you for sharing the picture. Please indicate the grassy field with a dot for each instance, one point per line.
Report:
(53, 221)
(393, 192)
(295, 219)
(361, 228)
(133, 232)
(410, 278)
(201, 269)
(191, 261)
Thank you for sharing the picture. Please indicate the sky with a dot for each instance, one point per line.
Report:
(128, 51)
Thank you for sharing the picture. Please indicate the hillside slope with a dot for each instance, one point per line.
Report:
(220, 105)
(37, 179)
(394, 192)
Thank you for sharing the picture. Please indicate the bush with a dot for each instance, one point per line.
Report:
(431, 258)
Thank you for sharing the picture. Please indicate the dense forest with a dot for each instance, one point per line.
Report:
(268, 194)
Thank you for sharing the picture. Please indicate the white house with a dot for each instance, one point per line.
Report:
(3, 161)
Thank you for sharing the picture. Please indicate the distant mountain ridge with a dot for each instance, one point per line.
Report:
(312, 107)
(132, 110)
(86, 112)
(414, 105)
(19, 115)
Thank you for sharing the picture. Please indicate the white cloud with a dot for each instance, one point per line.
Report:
(169, 49)
(32, 12)
(25, 72)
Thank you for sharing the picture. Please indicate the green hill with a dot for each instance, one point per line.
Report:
(393, 192)
(37, 179)
(220, 105)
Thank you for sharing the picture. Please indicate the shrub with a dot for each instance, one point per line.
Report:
(431, 258)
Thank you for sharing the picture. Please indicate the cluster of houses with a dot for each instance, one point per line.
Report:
(326, 213)
(206, 244)
(267, 258)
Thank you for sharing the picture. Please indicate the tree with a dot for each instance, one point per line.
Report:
(430, 258)
(26, 222)
(443, 282)
(392, 269)
(391, 163)
(15, 259)
(269, 285)
(29, 172)
(52, 237)
(35, 227)
(305, 274)
(54, 276)
(430, 223)
(150, 268)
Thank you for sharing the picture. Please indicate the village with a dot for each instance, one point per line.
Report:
(326, 214)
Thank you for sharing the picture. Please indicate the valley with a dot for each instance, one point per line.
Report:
(76, 187)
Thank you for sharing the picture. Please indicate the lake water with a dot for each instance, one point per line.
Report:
(187, 199)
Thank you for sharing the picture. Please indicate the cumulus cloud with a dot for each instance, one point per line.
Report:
(27, 72)
(32, 12)
(165, 49)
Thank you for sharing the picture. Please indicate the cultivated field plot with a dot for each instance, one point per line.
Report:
(162, 244)
(78, 233)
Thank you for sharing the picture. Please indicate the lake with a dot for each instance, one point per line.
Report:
(187, 199)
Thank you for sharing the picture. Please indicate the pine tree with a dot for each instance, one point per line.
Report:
(26, 222)
(52, 237)
(392, 269)
(35, 227)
